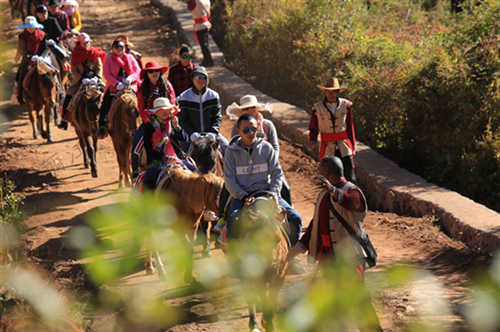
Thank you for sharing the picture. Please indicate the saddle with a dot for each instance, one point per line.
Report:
(27, 79)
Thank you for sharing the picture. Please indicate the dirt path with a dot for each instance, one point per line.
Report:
(60, 192)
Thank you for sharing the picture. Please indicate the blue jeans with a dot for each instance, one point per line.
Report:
(294, 218)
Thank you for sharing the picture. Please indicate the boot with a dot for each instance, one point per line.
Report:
(63, 125)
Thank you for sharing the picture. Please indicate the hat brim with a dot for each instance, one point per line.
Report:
(154, 110)
(70, 3)
(144, 70)
(27, 26)
(234, 111)
(324, 88)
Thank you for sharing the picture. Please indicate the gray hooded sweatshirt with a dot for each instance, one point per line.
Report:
(245, 172)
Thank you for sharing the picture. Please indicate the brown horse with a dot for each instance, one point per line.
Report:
(258, 235)
(192, 193)
(84, 120)
(122, 125)
(42, 91)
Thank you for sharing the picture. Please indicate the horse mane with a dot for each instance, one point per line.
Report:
(47, 80)
(203, 154)
(191, 188)
(124, 102)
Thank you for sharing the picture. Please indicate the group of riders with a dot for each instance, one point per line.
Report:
(176, 107)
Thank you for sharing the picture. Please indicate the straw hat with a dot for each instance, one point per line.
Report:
(128, 43)
(332, 84)
(152, 65)
(235, 111)
(163, 103)
(30, 22)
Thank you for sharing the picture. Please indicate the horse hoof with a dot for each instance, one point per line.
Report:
(50, 139)
(95, 174)
(44, 134)
(36, 136)
(86, 165)
(150, 271)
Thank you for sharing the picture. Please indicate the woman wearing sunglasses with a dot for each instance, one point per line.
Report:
(179, 74)
(154, 85)
(120, 70)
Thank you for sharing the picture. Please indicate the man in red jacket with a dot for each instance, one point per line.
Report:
(332, 119)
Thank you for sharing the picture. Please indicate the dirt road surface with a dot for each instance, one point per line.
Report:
(60, 192)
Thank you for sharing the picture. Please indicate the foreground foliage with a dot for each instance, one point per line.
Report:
(425, 83)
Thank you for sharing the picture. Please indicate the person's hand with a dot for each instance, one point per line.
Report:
(120, 86)
(175, 122)
(294, 251)
(312, 146)
(51, 42)
(324, 184)
(127, 81)
(249, 201)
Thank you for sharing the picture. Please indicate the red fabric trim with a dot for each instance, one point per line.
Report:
(80, 54)
(199, 21)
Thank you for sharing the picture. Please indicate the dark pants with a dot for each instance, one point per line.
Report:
(151, 177)
(106, 104)
(21, 74)
(203, 40)
(294, 218)
(67, 100)
(348, 163)
(135, 142)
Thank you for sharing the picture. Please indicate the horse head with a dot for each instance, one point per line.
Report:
(204, 153)
(49, 83)
(92, 97)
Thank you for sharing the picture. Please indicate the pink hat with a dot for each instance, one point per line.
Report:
(70, 2)
(83, 38)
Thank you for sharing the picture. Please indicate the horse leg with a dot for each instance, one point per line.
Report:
(187, 245)
(118, 159)
(251, 300)
(81, 140)
(126, 165)
(33, 120)
(47, 112)
(93, 156)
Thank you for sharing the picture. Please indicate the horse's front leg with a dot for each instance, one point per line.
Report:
(48, 114)
(251, 299)
(187, 245)
(91, 155)
(33, 120)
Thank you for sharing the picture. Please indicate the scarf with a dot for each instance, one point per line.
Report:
(33, 40)
(155, 93)
(80, 54)
(161, 139)
(70, 11)
(123, 63)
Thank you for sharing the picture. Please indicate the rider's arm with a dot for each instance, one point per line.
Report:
(58, 33)
(171, 94)
(136, 71)
(20, 46)
(75, 18)
(216, 117)
(184, 113)
(43, 49)
(148, 144)
(230, 176)
(313, 127)
(274, 170)
(350, 126)
(351, 200)
(272, 137)
(98, 69)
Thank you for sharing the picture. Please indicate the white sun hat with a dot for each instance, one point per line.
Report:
(235, 111)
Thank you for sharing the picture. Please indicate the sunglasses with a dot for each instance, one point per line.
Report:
(119, 46)
(184, 56)
(200, 77)
(247, 130)
(150, 71)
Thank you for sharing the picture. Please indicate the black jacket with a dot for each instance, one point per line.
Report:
(52, 29)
